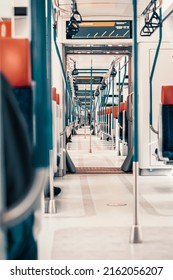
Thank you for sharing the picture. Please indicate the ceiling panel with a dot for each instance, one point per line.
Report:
(113, 8)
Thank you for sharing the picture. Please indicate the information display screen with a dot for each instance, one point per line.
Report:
(87, 80)
(103, 30)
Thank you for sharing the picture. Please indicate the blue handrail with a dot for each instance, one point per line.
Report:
(135, 84)
(91, 92)
(43, 123)
(152, 75)
(63, 70)
(121, 87)
(113, 99)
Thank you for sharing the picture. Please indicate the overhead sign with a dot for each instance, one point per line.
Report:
(83, 93)
(103, 30)
(87, 80)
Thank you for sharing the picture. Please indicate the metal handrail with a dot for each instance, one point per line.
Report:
(18, 212)
(21, 209)
(2, 178)
(152, 75)
(121, 85)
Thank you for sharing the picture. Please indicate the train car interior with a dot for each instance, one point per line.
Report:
(86, 134)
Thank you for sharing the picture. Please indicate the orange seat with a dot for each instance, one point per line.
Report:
(122, 107)
(54, 94)
(107, 111)
(115, 112)
(15, 61)
(167, 95)
(57, 99)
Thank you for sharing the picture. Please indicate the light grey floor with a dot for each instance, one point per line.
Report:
(95, 212)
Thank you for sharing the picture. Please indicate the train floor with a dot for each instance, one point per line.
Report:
(95, 211)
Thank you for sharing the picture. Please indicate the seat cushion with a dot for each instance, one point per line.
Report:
(168, 154)
(167, 131)
(24, 100)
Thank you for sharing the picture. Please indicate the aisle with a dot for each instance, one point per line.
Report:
(102, 154)
(94, 213)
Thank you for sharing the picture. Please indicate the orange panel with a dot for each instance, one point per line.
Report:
(15, 61)
(54, 94)
(5, 29)
(57, 99)
(107, 111)
(167, 95)
(122, 107)
(116, 112)
(97, 23)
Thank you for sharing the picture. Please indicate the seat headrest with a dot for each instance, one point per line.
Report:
(122, 107)
(167, 95)
(116, 112)
(57, 99)
(15, 62)
(107, 111)
(54, 94)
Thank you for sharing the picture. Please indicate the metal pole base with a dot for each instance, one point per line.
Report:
(118, 153)
(136, 234)
(112, 143)
(90, 151)
(52, 208)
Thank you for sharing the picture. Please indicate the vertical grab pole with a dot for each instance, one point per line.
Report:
(123, 121)
(119, 101)
(136, 232)
(39, 74)
(51, 208)
(113, 95)
(100, 110)
(85, 112)
(78, 110)
(73, 111)
(105, 120)
(90, 149)
(2, 181)
(66, 108)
